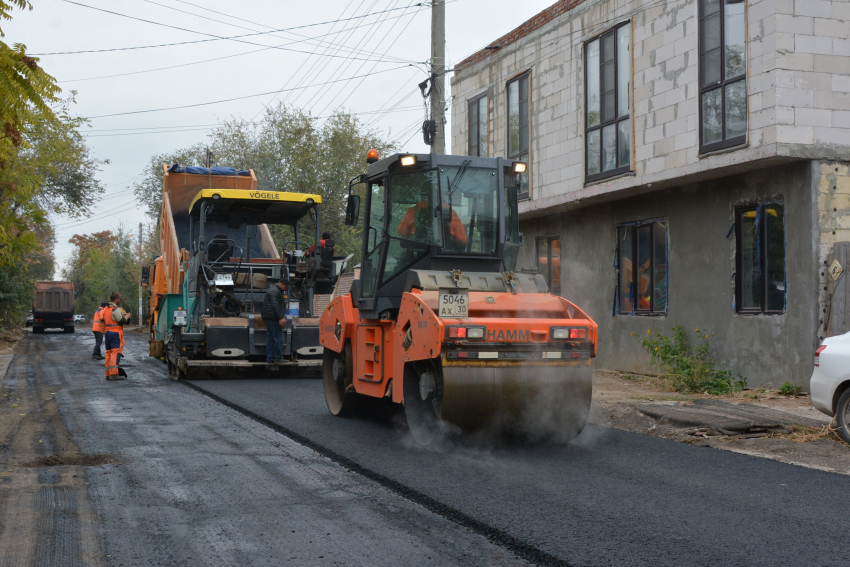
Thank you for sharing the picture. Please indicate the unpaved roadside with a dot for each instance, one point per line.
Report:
(615, 401)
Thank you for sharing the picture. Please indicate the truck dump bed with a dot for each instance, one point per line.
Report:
(53, 297)
(178, 191)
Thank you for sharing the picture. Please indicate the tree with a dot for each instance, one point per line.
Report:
(45, 167)
(102, 263)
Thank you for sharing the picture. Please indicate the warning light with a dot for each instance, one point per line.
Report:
(372, 156)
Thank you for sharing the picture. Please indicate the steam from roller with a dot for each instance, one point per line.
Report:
(539, 403)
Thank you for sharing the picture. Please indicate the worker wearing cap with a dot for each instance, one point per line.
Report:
(274, 316)
(114, 318)
(98, 328)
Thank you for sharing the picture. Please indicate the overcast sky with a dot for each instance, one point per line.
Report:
(390, 46)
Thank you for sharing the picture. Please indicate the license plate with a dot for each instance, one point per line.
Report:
(454, 305)
(223, 279)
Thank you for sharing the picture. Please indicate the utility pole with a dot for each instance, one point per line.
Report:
(209, 158)
(438, 74)
(141, 262)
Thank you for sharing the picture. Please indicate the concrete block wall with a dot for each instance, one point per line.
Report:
(810, 68)
(798, 86)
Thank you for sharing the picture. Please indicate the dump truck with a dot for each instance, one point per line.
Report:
(53, 306)
(440, 320)
(218, 260)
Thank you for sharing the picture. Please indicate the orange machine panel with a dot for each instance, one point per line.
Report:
(340, 314)
(369, 353)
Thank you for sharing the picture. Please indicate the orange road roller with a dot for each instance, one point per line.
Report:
(439, 320)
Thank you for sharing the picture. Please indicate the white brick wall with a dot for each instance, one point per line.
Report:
(798, 87)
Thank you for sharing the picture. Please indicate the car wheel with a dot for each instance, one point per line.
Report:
(842, 414)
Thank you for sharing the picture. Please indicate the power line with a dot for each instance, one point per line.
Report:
(216, 38)
(238, 97)
(347, 63)
(373, 66)
(304, 38)
(201, 128)
(315, 72)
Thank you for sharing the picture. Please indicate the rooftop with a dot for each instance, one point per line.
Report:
(535, 23)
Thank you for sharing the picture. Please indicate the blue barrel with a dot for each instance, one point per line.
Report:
(292, 311)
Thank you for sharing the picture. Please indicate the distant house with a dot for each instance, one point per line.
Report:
(688, 164)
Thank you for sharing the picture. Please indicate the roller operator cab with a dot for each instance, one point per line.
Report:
(440, 321)
(232, 261)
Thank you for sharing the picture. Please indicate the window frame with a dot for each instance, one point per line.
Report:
(589, 178)
(722, 83)
(548, 239)
(634, 226)
(469, 104)
(516, 79)
(762, 257)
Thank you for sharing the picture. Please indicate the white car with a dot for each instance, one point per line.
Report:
(830, 383)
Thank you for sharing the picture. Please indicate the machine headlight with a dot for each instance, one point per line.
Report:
(465, 332)
(475, 332)
(567, 333)
(407, 161)
(520, 167)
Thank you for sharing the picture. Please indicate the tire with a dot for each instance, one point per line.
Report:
(337, 398)
(842, 415)
(37, 330)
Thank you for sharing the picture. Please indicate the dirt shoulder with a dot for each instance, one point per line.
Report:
(9, 338)
(804, 440)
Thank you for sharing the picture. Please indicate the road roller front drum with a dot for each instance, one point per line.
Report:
(536, 403)
(337, 372)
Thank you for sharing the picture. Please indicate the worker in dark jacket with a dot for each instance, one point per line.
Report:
(274, 316)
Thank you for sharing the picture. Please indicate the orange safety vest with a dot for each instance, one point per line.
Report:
(99, 325)
(111, 325)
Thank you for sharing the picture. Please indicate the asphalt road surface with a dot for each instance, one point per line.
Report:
(257, 472)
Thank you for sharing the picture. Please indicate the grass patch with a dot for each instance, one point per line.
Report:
(685, 369)
(789, 389)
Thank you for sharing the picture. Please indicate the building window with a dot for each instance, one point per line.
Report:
(642, 266)
(760, 269)
(479, 127)
(723, 67)
(608, 65)
(549, 262)
(519, 126)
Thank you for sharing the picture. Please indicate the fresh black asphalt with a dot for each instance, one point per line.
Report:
(609, 498)
(198, 483)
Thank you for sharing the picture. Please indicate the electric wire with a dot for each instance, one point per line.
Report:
(272, 33)
(346, 64)
(316, 71)
(234, 98)
(216, 38)
(400, 60)
(358, 85)
(265, 106)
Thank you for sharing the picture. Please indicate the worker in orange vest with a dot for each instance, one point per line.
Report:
(115, 318)
(98, 328)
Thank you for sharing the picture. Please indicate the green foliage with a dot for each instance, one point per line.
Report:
(685, 369)
(45, 167)
(102, 263)
(789, 389)
(290, 150)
